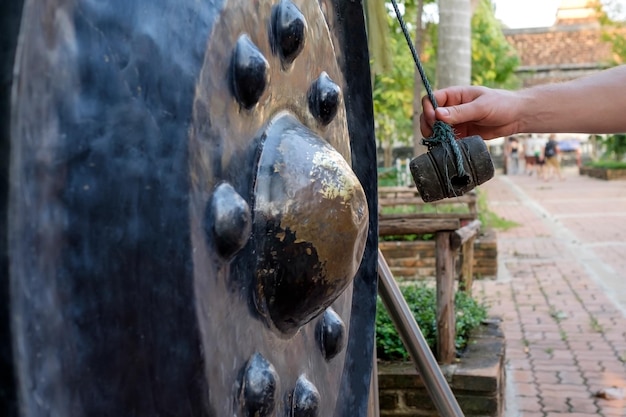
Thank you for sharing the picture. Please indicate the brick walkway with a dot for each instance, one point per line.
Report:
(561, 292)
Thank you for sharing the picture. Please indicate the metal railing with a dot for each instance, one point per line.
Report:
(414, 341)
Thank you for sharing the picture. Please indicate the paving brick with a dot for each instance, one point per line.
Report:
(611, 405)
(523, 376)
(546, 276)
(528, 404)
(555, 366)
(526, 389)
(582, 405)
(546, 377)
(570, 391)
(564, 358)
(570, 378)
(570, 414)
(555, 403)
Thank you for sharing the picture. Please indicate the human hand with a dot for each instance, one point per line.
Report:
(489, 113)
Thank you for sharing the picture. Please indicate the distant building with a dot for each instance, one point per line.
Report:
(571, 48)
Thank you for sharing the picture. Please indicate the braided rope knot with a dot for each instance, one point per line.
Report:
(443, 135)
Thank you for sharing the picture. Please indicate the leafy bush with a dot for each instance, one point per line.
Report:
(615, 147)
(423, 301)
(607, 164)
(387, 177)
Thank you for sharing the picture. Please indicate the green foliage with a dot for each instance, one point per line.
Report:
(387, 177)
(423, 300)
(494, 60)
(393, 91)
(607, 164)
(615, 147)
(614, 30)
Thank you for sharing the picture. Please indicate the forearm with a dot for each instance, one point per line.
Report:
(593, 104)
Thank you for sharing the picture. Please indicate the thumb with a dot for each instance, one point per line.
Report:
(454, 115)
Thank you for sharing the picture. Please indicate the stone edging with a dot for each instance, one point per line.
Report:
(603, 173)
(416, 260)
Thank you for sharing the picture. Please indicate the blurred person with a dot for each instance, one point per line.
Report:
(530, 160)
(540, 159)
(552, 156)
(513, 147)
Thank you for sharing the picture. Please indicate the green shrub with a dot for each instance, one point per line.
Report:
(387, 177)
(423, 301)
(607, 164)
(615, 147)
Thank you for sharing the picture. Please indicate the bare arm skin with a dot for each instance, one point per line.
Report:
(592, 104)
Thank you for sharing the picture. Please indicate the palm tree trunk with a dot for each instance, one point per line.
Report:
(454, 59)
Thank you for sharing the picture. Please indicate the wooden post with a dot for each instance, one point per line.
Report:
(472, 204)
(464, 238)
(446, 325)
(462, 235)
(467, 267)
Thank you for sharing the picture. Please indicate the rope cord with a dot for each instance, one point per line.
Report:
(443, 133)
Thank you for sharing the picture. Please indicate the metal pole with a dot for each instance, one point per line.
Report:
(414, 341)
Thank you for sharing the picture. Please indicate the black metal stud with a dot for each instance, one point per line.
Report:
(288, 31)
(258, 390)
(250, 72)
(305, 401)
(330, 333)
(229, 218)
(324, 98)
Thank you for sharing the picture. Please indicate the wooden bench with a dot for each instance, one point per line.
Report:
(425, 222)
(453, 231)
(409, 196)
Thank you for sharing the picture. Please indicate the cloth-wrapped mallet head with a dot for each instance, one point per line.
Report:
(436, 176)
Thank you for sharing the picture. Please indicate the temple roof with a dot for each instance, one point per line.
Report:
(577, 11)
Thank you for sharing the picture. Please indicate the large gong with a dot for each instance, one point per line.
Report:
(188, 199)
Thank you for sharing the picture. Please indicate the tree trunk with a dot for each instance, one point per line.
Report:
(418, 147)
(454, 55)
(387, 155)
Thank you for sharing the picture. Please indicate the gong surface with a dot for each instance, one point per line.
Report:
(191, 209)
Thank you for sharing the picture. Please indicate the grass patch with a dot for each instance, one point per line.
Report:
(488, 218)
(422, 300)
(421, 208)
(387, 178)
(426, 208)
(407, 238)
